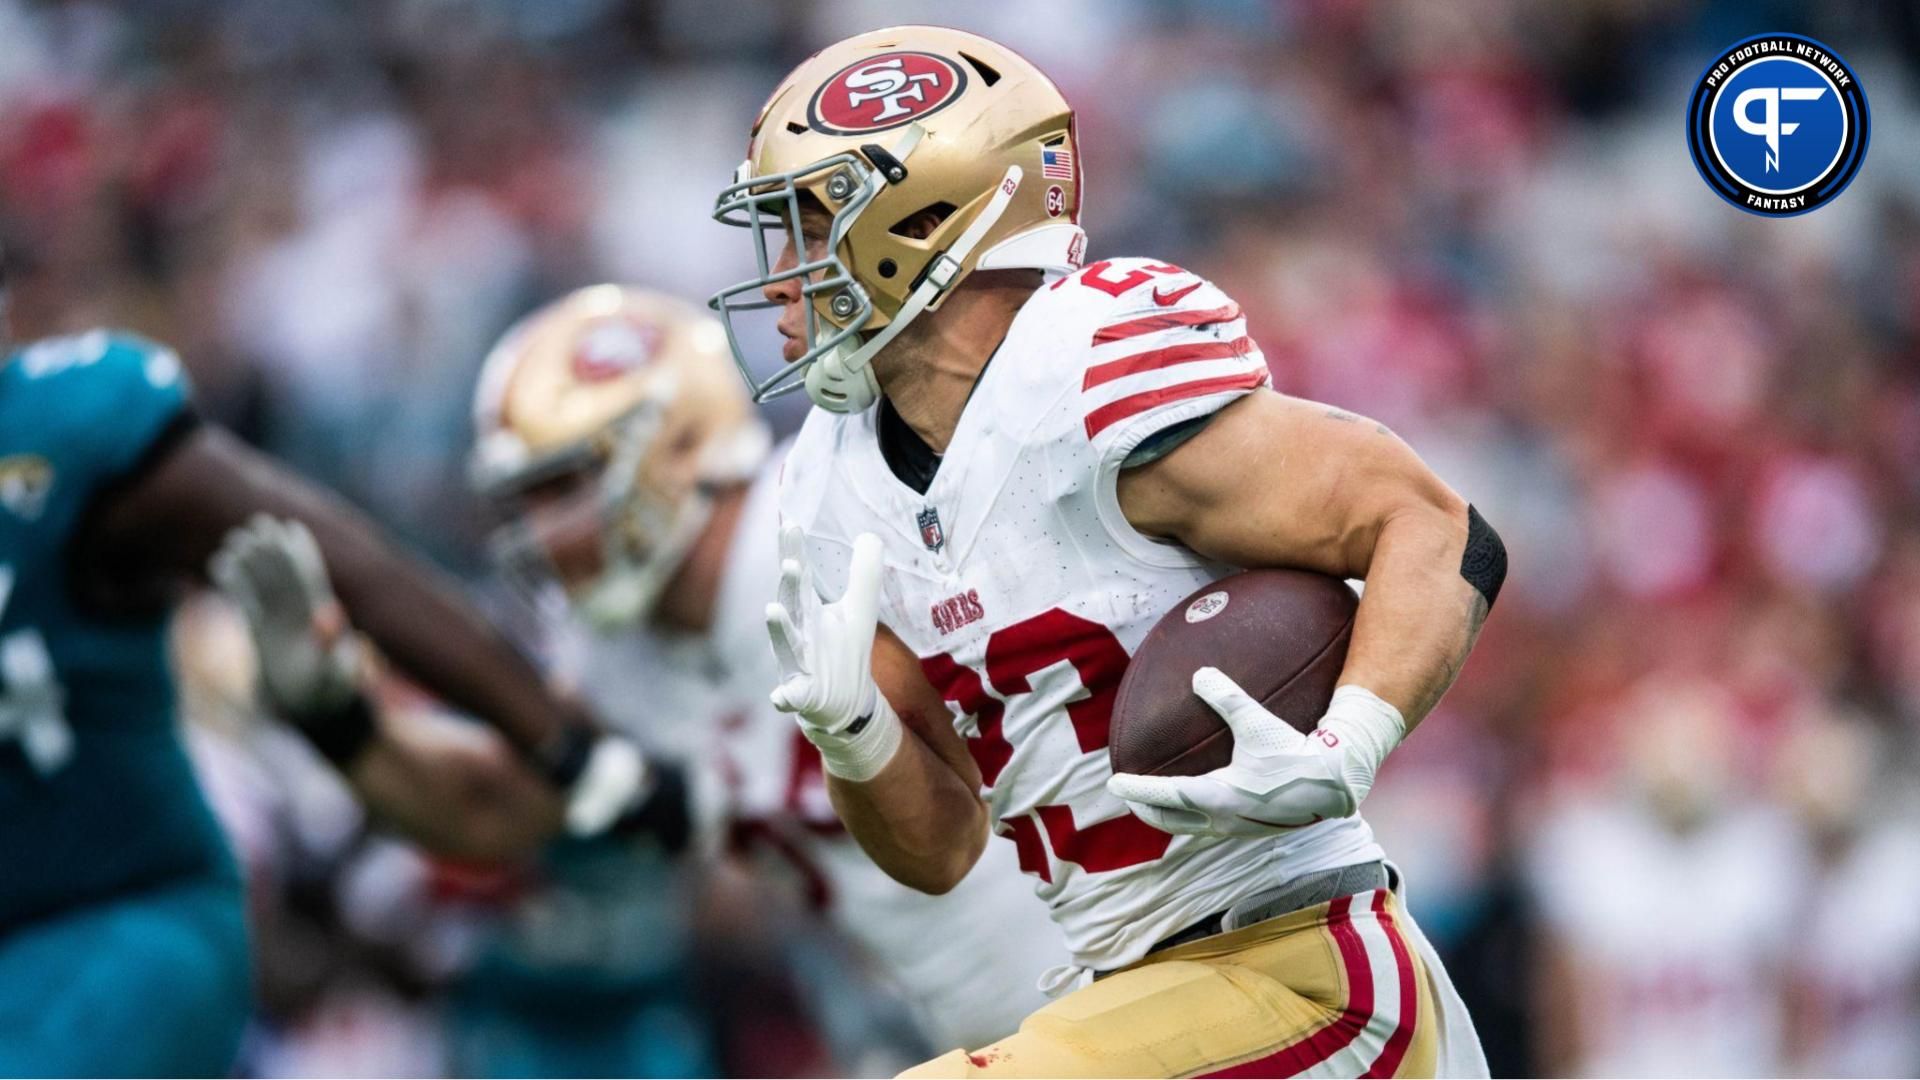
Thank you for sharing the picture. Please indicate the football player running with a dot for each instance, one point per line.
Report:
(1017, 464)
(122, 931)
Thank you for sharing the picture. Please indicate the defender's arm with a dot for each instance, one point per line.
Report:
(455, 788)
(170, 517)
(453, 785)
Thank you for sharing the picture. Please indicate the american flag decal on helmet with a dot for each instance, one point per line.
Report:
(930, 533)
(1056, 161)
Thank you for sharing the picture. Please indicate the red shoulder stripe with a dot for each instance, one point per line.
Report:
(1167, 357)
(1120, 408)
(1165, 321)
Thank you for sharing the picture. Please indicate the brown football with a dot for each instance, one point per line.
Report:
(1281, 634)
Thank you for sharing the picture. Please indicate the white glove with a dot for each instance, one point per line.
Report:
(1278, 779)
(825, 652)
(310, 661)
(613, 782)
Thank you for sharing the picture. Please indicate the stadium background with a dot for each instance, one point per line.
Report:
(1669, 806)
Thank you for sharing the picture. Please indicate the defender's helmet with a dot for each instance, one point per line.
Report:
(615, 404)
(880, 129)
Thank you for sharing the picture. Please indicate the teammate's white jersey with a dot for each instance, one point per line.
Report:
(1857, 958)
(966, 960)
(1678, 940)
(1020, 585)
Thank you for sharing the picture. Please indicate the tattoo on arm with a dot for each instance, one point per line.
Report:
(1484, 566)
(1346, 417)
(1451, 664)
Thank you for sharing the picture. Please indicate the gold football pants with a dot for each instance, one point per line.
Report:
(1332, 990)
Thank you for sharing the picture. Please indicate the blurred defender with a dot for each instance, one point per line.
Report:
(637, 478)
(1044, 457)
(122, 943)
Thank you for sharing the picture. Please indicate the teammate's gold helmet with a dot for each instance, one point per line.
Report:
(621, 398)
(880, 129)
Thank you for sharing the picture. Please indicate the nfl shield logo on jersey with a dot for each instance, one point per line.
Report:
(930, 533)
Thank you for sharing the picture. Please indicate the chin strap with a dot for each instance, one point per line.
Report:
(842, 380)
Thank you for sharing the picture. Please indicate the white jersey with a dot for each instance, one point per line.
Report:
(1021, 587)
(1857, 957)
(966, 960)
(1679, 939)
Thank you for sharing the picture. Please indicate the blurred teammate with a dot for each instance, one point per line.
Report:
(613, 431)
(1671, 904)
(122, 946)
(1854, 963)
(639, 493)
(1044, 457)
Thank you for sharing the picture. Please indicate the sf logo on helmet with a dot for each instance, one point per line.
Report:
(883, 80)
(612, 347)
(1777, 125)
(883, 92)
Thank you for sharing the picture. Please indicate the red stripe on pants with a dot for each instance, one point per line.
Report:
(1304, 1054)
(1396, 1049)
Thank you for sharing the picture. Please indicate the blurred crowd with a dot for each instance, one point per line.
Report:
(1664, 823)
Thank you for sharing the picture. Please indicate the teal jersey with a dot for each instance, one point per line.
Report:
(96, 795)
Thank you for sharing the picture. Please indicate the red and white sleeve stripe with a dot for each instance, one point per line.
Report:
(1155, 369)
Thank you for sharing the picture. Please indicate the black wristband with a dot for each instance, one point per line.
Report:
(667, 813)
(564, 757)
(341, 735)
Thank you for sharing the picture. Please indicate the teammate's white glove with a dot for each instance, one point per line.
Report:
(310, 662)
(825, 652)
(613, 782)
(1278, 779)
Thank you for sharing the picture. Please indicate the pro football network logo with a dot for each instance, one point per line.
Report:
(885, 91)
(1778, 125)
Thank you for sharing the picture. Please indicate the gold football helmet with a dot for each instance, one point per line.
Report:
(882, 129)
(610, 409)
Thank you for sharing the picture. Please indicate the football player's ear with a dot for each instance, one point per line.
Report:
(920, 224)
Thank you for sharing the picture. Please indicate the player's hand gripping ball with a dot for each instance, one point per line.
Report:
(1278, 779)
(1228, 723)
